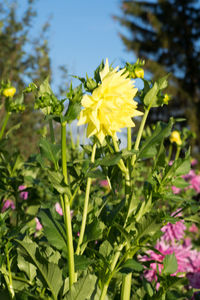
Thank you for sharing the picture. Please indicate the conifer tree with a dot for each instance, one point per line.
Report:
(166, 33)
(23, 59)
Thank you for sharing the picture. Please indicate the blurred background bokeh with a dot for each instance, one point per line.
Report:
(41, 38)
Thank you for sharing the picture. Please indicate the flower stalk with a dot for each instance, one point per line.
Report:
(85, 208)
(5, 121)
(66, 210)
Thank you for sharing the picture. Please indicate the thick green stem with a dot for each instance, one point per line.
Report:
(139, 136)
(112, 267)
(70, 248)
(129, 142)
(51, 131)
(85, 209)
(64, 148)
(178, 150)
(9, 282)
(5, 121)
(121, 164)
(66, 210)
(126, 286)
(71, 137)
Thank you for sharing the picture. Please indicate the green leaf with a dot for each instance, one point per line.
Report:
(109, 160)
(50, 151)
(94, 230)
(72, 112)
(45, 87)
(151, 96)
(50, 272)
(105, 248)
(81, 262)
(56, 179)
(83, 289)
(169, 264)
(53, 230)
(131, 265)
(147, 226)
(148, 148)
(180, 183)
(163, 82)
(25, 266)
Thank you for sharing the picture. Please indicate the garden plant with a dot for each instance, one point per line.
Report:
(88, 218)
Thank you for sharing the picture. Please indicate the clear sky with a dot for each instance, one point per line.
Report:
(82, 33)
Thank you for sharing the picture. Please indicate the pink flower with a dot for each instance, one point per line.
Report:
(103, 183)
(193, 228)
(189, 176)
(194, 162)
(38, 224)
(173, 232)
(195, 182)
(8, 204)
(24, 194)
(58, 209)
(176, 190)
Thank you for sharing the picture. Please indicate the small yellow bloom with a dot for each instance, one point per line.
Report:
(175, 138)
(110, 107)
(139, 72)
(166, 99)
(9, 92)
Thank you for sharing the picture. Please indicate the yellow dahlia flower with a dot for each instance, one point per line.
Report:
(175, 138)
(110, 107)
(9, 92)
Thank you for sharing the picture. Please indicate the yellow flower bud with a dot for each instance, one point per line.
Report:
(139, 72)
(175, 138)
(166, 99)
(9, 92)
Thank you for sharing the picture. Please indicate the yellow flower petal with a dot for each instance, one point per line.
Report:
(111, 105)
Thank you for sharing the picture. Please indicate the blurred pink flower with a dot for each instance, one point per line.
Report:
(172, 241)
(38, 224)
(194, 162)
(195, 182)
(173, 232)
(23, 195)
(58, 209)
(189, 176)
(193, 228)
(8, 204)
(176, 190)
(103, 183)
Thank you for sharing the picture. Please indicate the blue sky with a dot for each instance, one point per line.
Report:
(82, 33)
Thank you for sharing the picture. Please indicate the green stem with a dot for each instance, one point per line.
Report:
(51, 131)
(121, 164)
(85, 209)
(170, 153)
(66, 210)
(177, 152)
(70, 248)
(71, 137)
(126, 286)
(129, 142)
(10, 284)
(139, 136)
(64, 148)
(5, 121)
(112, 267)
